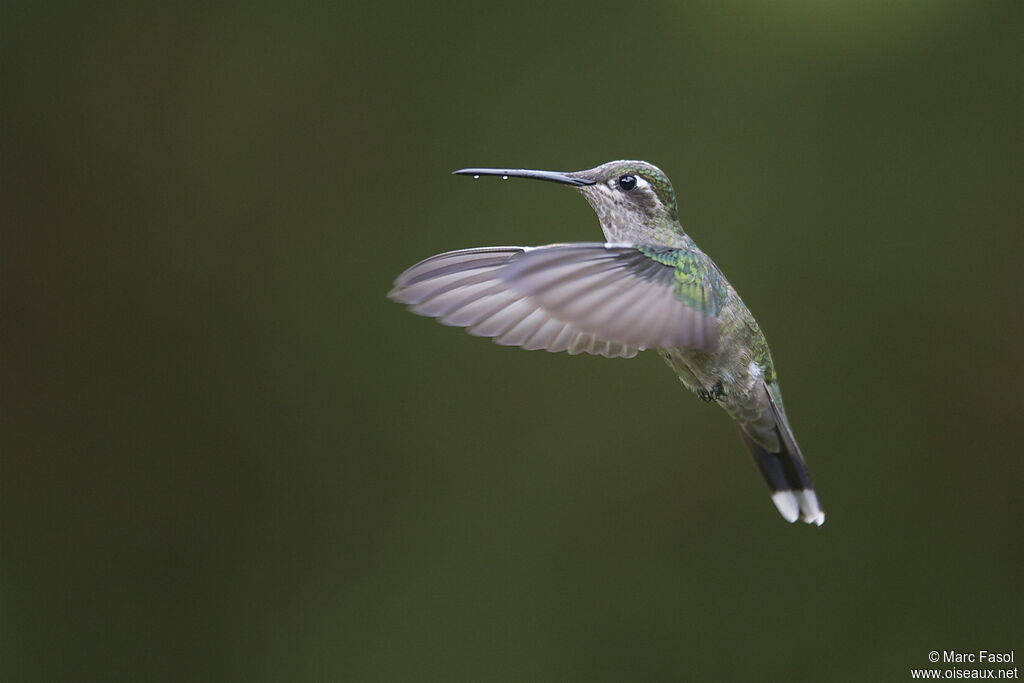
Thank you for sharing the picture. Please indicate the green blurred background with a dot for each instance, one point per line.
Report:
(227, 456)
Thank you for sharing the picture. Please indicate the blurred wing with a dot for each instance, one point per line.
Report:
(605, 299)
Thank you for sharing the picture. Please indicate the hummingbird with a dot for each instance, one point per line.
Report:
(646, 287)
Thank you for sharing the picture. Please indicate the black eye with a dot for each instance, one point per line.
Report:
(627, 182)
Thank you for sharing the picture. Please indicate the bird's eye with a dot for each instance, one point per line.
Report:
(627, 182)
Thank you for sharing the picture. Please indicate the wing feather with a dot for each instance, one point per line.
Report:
(605, 299)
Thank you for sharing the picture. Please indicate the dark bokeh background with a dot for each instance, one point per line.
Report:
(226, 456)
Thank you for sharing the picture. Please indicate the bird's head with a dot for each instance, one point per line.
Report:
(629, 193)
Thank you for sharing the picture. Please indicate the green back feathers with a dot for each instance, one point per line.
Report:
(697, 282)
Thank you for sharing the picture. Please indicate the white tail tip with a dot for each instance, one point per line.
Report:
(801, 504)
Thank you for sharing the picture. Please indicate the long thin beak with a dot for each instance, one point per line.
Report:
(506, 173)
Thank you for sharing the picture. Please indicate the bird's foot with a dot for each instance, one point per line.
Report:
(713, 394)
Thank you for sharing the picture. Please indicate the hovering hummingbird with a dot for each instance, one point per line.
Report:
(647, 287)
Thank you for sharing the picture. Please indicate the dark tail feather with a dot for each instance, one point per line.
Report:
(790, 483)
(786, 474)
